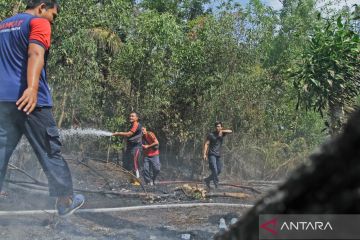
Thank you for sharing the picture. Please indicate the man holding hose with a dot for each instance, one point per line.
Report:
(133, 147)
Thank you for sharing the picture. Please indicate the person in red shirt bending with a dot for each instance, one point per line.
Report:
(151, 156)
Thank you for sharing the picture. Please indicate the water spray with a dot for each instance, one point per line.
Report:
(84, 132)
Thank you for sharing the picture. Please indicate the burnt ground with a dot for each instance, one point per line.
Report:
(104, 186)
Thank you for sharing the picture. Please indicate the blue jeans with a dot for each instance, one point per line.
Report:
(215, 166)
(151, 163)
(43, 135)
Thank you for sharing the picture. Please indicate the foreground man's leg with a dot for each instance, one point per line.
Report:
(10, 134)
(43, 135)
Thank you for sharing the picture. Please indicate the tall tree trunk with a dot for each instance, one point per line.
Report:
(63, 104)
(336, 115)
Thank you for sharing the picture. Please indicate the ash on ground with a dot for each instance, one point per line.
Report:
(105, 185)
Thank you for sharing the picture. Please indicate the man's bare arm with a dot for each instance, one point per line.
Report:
(226, 131)
(206, 149)
(155, 143)
(28, 101)
(123, 134)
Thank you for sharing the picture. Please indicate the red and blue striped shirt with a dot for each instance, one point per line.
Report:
(16, 33)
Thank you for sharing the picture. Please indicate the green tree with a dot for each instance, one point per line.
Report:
(327, 75)
(182, 9)
(182, 67)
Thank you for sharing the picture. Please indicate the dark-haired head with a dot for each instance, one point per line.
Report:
(134, 117)
(217, 123)
(48, 9)
(218, 126)
(31, 4)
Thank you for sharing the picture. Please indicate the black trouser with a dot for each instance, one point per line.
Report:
(41, 131)
(151, 163)
(215, 166)
(131, 158)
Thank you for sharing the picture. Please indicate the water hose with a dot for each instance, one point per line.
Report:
(127, 209)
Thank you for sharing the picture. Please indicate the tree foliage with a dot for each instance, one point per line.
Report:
(327, 74)
(184, 64)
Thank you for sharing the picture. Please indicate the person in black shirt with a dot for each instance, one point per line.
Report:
(212, 152)
(133, 146)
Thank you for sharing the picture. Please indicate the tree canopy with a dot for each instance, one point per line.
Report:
(184, 64)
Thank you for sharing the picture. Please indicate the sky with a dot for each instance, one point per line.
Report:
(276, 4)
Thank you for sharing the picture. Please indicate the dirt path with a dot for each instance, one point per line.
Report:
(156, 224)
(200, 222)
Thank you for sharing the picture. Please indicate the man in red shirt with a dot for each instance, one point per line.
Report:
(151, 156)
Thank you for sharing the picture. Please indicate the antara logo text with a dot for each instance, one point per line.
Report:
(271, 226)
(305, 226)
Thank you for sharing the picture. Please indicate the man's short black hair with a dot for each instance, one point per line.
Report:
(137, 114)
(218, 123)
(31, 4)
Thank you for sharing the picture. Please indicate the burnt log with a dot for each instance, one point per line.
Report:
(327, 184)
